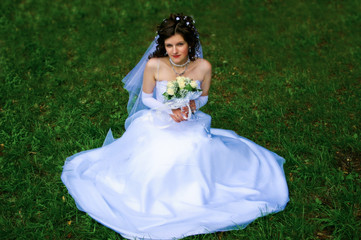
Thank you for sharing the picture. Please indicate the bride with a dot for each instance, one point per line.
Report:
(170, 175)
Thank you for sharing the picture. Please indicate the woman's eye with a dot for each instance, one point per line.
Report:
(180, 44)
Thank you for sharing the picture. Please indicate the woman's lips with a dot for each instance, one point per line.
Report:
(176, 56)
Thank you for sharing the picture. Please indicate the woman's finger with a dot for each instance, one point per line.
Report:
(174, 117)
(185, 112)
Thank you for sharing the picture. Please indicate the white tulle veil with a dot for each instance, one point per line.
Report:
(133, 83)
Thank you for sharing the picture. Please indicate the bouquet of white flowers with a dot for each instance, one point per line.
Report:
(180, 92)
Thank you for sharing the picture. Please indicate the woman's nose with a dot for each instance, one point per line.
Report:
(174, 49)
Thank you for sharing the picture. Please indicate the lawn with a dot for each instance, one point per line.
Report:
(286, 74)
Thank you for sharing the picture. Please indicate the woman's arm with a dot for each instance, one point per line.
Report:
(149, 84)
(149, 75)
(206, 68)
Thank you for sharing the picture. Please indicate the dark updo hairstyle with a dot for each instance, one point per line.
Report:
(181, 24)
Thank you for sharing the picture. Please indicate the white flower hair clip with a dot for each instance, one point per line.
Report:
(177, 18)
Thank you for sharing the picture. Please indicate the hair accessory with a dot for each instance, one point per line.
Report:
(177, 18)
(187, 23)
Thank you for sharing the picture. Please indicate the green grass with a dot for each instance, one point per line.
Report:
(286, 75)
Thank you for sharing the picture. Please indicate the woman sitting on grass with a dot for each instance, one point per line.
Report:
(170, 175)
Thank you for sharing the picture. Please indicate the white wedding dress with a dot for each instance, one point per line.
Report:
(168, 180)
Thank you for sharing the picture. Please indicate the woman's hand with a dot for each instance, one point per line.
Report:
(193, 106)
(179, 115)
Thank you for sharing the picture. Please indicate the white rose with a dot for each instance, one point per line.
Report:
(181, 82)
(181, 78)
(182, 85)
(170, 91)
(194, 84)
(170, 84)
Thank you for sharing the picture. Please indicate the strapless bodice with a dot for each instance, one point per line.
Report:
(161, 87)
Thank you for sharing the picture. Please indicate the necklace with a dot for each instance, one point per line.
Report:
(185, 69)
(179, 65)
(179, 74)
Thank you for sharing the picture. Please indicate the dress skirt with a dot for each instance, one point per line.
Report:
(167, 180)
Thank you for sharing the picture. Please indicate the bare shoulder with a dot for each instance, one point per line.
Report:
(204, 65)
(152, 63)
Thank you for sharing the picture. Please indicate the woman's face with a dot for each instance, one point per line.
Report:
(177, 48)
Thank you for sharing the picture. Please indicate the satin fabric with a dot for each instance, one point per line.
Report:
(167, 180)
